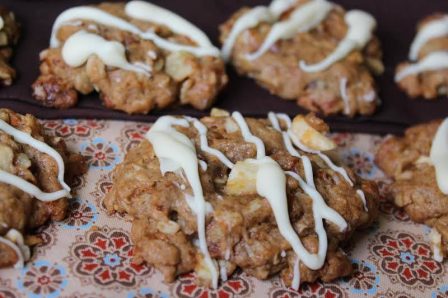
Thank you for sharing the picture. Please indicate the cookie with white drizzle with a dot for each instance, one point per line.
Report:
(34, 169)
(9, 36)
(309, 51)
(136, 55)
(417, 163)
(426, 73)
(260, 203)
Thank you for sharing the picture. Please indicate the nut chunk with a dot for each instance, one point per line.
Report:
(242, 230)
(133, 61)
(21, 210)
(9, 35)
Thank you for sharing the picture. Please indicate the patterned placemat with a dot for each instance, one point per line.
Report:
(90, 253)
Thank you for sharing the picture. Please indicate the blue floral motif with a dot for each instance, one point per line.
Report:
(42, 279)
(361, 162)
(407, 257)
(82, 216)
(147, 292)
(365, 279)
(440, 292)
(71, 122)
(112, 260)
(101, 154)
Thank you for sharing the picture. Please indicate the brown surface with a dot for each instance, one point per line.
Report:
(242, 221)
(397, 20)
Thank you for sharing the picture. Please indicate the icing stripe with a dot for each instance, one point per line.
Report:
(360, 27)
(249, 20)
(271, 184)
(296, 275)
(174, 146)
(248, 136)
(431, 62)
(149, 12)
(81, 45)
(101, 17)
(202, 130)
(439, 156)
(24, 185)
(303, 19)
(433, 29)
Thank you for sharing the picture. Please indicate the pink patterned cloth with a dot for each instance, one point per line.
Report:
(90, 253)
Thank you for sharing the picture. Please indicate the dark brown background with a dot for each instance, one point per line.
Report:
(396, 28)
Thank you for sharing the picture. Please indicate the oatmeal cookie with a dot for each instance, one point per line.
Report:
(223, 192)
(409, 161)
(310, 51)
(9, 35)
(137, 56)
(31, 189)
(426, 74)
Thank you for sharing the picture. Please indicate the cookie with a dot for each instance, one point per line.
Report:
(227, 192)
(35, 170)
(312, 52)
(137, 56)
(417, 164)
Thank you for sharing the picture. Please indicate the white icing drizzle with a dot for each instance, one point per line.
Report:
(2, 23)
(433, 29)
(369, 97)
(248, 136)
(302, 19)
(15, 241)
(146, 11)
(203, 165)
(433, 61)
(436, 241)
(362, 196)
(289, 136)
(101, 17)
(81, 45)
(344, 95)
(439, 156)
(271, 184)
(170, 144)
(202, 130)
(360, 27)
(296, 277)
(278, 7)
(223, 270)
(325, 158)
(249, 20)
(273, 118)
(24, 185)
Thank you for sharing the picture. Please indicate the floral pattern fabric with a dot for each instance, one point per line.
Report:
(89, 254)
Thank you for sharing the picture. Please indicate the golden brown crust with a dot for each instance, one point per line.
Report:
(19, 210)
(431, 84)
(278, 71)
(175, 77)
(415, 188)
(242, 226)
(9, 35)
